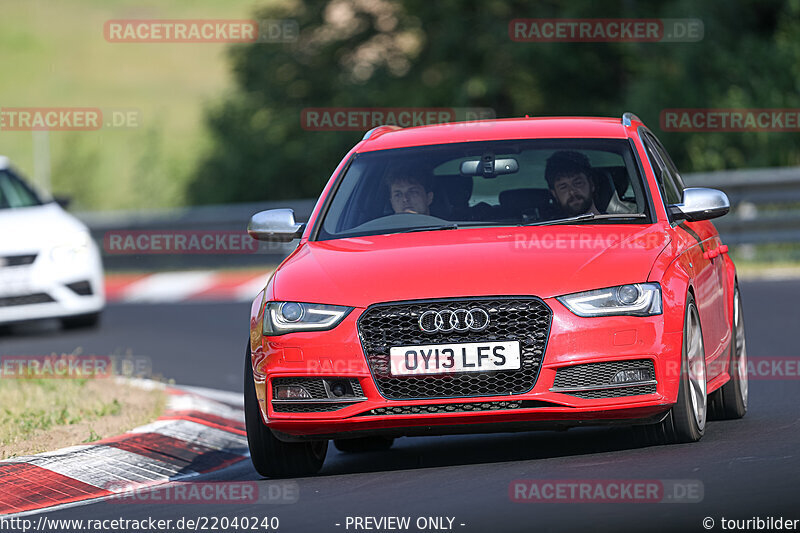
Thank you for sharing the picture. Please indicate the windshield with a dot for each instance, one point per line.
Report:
(14, 193)
(503, 183)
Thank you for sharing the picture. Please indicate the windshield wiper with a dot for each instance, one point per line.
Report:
(587, 216)
(452, 225)
(429, 228)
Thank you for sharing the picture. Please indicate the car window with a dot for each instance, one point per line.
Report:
(389, 191)
(665, 157)
(670, 192)
(14, 193)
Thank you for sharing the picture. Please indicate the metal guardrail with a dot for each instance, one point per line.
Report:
(212, 218)
(764, 209)
(765, 204)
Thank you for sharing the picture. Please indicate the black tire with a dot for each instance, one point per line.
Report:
(729, 402)
(364, 444)
(680, 425)
(271, 457)
(89, 321)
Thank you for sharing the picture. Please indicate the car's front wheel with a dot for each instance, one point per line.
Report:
(272, 457)
(686, 421)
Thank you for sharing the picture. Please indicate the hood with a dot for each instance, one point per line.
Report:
(544, 261)
(31, 229)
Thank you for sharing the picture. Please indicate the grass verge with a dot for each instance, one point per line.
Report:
(40, 415)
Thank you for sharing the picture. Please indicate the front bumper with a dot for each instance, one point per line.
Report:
(46, 289)
(572, 341)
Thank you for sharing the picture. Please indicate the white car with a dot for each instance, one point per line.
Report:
(49, 265)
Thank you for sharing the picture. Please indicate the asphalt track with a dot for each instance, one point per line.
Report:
(748, 468)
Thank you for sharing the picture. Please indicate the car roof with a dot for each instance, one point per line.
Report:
(385, 138)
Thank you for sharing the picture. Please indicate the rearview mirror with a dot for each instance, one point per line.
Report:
(489, 167)
(276, 225)
(700, 203)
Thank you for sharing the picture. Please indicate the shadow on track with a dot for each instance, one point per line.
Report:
(434, 452)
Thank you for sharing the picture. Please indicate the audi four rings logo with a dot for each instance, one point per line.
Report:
(461, 320)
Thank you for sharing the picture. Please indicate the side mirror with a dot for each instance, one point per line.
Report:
(700, 203)
(62, 201)
(276, 225)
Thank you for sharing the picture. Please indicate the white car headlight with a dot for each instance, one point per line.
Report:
(636, 299)
(288, 317)
(73, 247)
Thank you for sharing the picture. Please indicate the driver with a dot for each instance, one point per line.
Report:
(568, 176)
(409, 194)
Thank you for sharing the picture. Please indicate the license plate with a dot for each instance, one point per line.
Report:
(454, 358)
(14, 280)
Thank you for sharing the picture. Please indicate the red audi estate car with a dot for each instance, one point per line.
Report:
(494, 276)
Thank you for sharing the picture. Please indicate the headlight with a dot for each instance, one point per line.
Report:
(638, 299)
(71, 248)
(288, 317)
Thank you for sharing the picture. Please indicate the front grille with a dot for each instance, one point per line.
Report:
(590, 374)
(523, 319)
(309, 407)
(81, 288)
(314, 386)
(17, 260)
(320, 400)
(455, 407)
(26, 299)
(598, 376)
(614, 393)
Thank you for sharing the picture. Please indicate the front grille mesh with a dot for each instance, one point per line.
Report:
(598, 374)
(309, 407)
(455, 407)
(26, 299)
(526, 320)
(614, 393)
(81, 288)
(314, 386)
(17, 260)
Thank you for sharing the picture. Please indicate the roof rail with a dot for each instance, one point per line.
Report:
(627, 117)
(380, 129)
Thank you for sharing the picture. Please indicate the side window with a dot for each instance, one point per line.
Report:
(4, 200)
(25, 196)
(670, 165)
(670, 192)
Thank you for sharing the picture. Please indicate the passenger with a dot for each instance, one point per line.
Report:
(568, 176)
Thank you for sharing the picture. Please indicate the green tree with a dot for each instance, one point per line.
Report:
(458, 53)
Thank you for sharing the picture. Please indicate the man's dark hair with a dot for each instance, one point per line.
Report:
(402, 174)
(566, 163)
